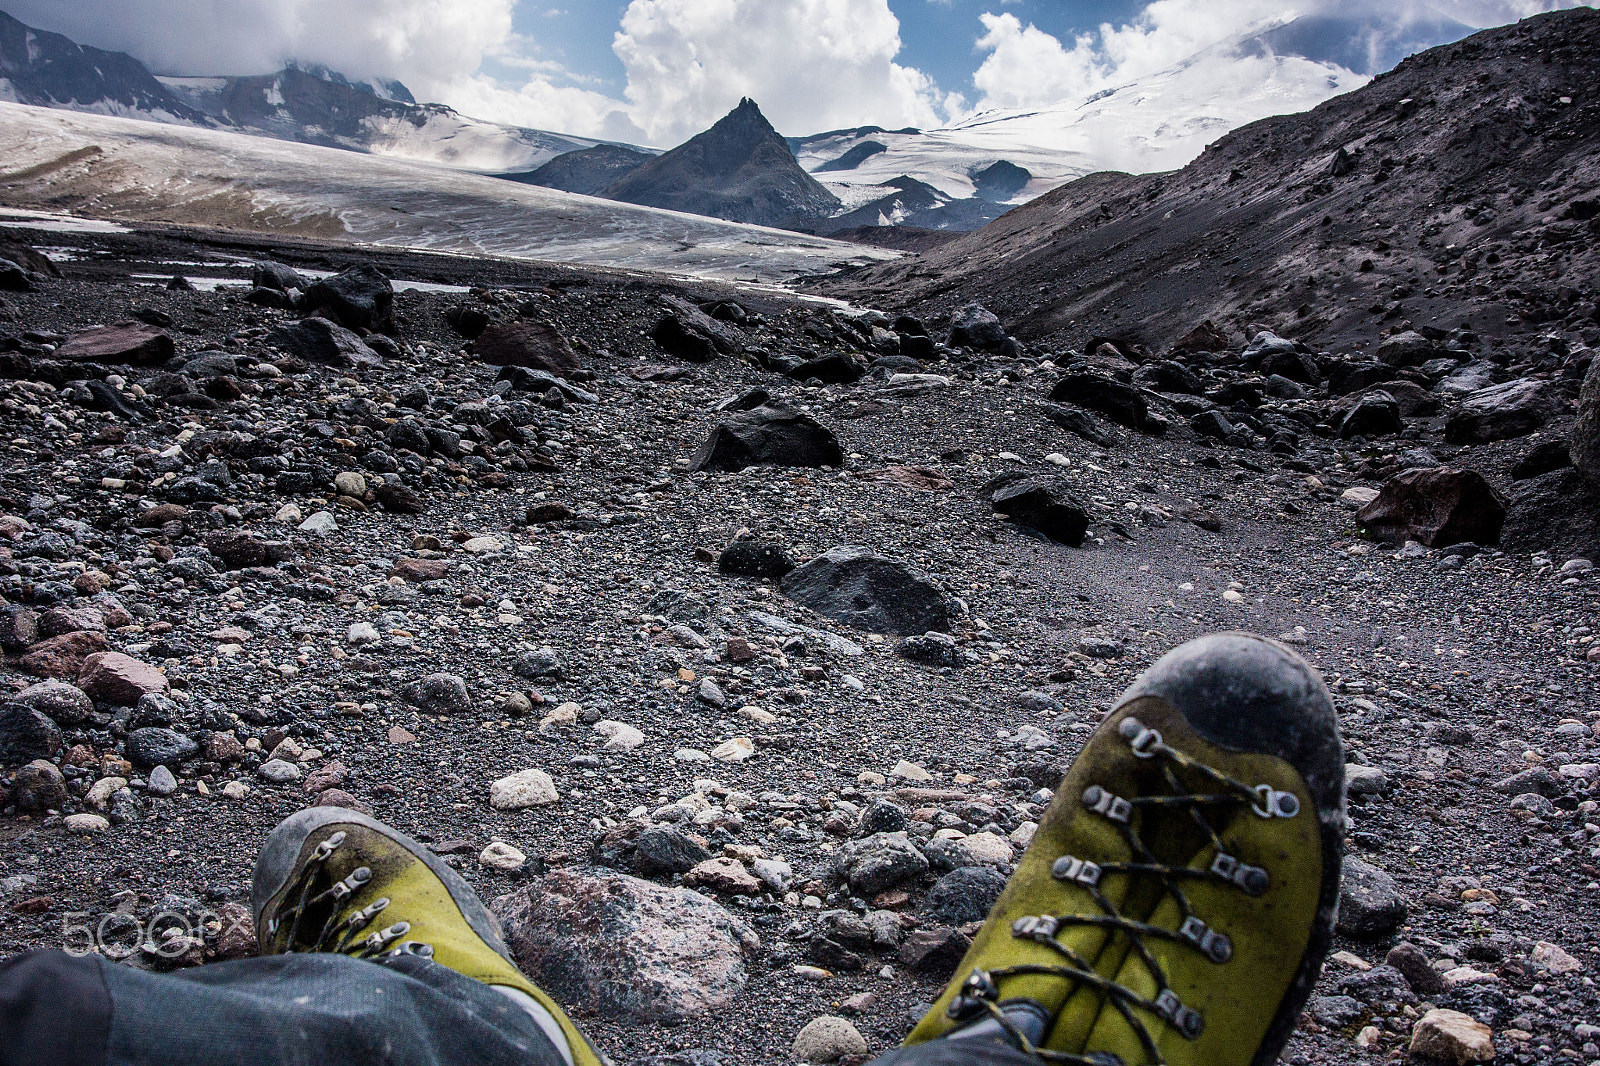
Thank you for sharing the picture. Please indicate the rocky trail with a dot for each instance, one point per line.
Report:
(732, 643)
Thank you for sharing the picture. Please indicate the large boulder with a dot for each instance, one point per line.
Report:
(25, 735)
(1436, 506)
(1585, 444)
(1406, 349)
(62, 657)
(1042, 503)
(873, 592)
(359, 298)
(879, 862)
(128, 343)
(1121, 403)
(768, 434)
(622, 946)
(62, 703)
(534, 345)
(1501, 412)
(118, 679)
(976, 327)
(1558, 512)
(1376, 414)
(317, 340)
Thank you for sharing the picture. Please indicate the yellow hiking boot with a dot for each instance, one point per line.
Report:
(1179, 896)
(335, 880)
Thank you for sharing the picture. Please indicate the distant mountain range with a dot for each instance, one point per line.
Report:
(312, 105)
(956, 178)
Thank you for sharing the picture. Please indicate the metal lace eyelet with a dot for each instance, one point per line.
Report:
(1114, 808)
(1069, 868)
(1141, 738)
(1275, 804)
(1214, 945)
(1252, 880)
(414, 948)
(1185, 1019)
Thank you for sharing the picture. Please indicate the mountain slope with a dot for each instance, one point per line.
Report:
(740, 169)
(49, 70)
(1430, 196)
(122, 169)
(587, 171)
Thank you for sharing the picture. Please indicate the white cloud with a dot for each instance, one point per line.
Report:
(1026, 67)
(812, 65)
(421, 42)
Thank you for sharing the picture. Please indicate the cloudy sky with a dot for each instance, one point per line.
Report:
(657, 71)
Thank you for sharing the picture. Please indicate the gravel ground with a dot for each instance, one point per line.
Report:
(1452, 671)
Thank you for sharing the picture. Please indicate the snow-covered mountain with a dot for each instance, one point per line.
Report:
(311, 104)
(1158, 122)
(126, 169)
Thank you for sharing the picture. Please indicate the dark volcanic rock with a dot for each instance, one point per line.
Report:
(1080, 422)
(1377, 414)
(25, 735)
(130, 343)
(467, 320)
(976, 327)
(1121, 403)
(1406, 349)
(1585, 444)
(662, 851)
(359, 298)
(627, 947)
(870, 591)
(39, 786)
(1501, 412)
(241, 551)
(768, 434)
(157, 746)
(754, 558)
(1437, 506)
(317, 340)
(677, 338)
(535, 345)
(966, 894)
(276, 276)
(1046, 504)
(1369, 901)
(1558, 512)
(835, 368)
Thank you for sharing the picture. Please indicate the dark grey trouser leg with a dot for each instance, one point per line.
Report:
(971, 1052)
(285, 1010)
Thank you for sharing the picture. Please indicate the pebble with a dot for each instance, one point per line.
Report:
(502, 856)
(1364, 780)
(320, 524)
(738, 749)
(1453, 1037)
(278, 771)
(619, 736)
(361, 634)
(827, 1040)
(909, 771)
(520, 791)
(236, 790)
(161, 782)
(85, 823)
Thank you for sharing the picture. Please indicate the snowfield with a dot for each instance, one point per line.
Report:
(1160, 122)
(132, 171)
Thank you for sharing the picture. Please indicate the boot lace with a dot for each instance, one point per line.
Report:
(980, 992)
(335, 935)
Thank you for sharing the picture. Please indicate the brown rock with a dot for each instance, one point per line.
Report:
(159, 516)
(39, 786)
(62, 657)
(1453, 1037)
(913, 477)
(241, 551)
(1205, 337)
(58, 621)
(325, 777)
(398, 498)
(236, 933)
(338, 797)
(19, 628)
(934, 951)
(536, 345)
(223, 747)
(119, 679)
(123, 344)
(627, 946)
(544, 513)
(723, 875)
(1439, 506)
(421, 569)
